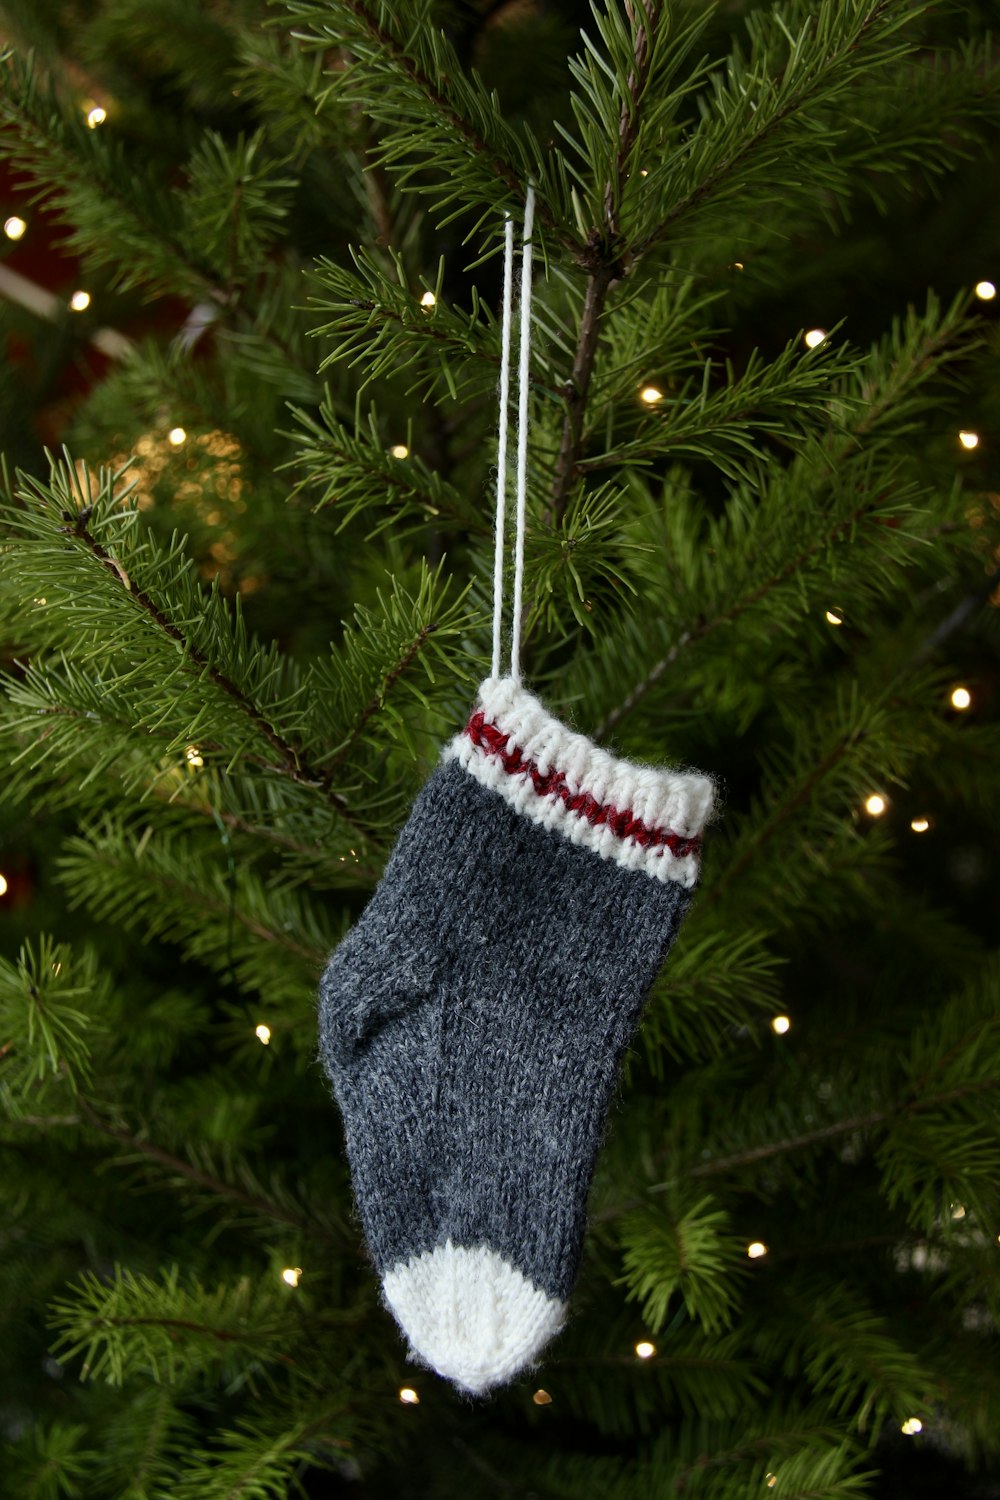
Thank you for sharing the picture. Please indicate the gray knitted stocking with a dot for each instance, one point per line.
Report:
(473, 1021)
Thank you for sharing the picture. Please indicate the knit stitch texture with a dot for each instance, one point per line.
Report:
(473, 1021)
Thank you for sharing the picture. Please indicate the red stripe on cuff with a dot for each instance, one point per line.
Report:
(623, 823)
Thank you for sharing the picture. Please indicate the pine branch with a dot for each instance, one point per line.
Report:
(180, 1167)
(850, 1126)
(54, 148)
(404, 73)
(377, 700)
(290, 760)
(783, 811)
(886, 398)
(842, 528)
(821, 77)
(286, 752)
(604, 267)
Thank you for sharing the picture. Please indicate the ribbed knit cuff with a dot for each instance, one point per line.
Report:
(642, 817)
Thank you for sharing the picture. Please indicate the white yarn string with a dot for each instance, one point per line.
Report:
(522, 430)
(508, 279)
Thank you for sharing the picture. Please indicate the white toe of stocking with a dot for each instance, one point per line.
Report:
(470, 1314)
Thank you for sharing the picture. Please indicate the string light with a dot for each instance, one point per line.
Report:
(814, 336)
(645, 1350)
(643, 172)
(14, 227)
(780, 1024)
(290, 1275)
(650, 395)
(408, 1396)
(911, 1426)
(542, 1398)
(770, 1480)
(428, 299)
(961, 698)
(737, 265)
(96, 116)
(39, 601)
(80, 301)
(263, 1033)
(400, 451)
(985, 291)
(194, 756)
(969, 439)
(832, 617)
(920, 825)
(958, 1210)
(756, 1249)
(3, 885)
(177, 436)
(875, 805)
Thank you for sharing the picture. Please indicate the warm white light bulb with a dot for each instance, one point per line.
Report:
(428, 299)
(290, 1275)
(542, 1398)
(833, 618)
(408, 1396)
(263, 1033)
(814, 336)
(3, 885)
(645, 1350)
(80, 301)
(770, 1480)
(650, 395)
(194, 756)
(969, 439)
(756, 1249)
(14, 227)
(400, 451)
(920, 825)
(911, 1426)
(958, 1210)
(875, 805)
(176, 436)
(780, 1024)
(960, 697)
(96, 116)
(985, 291)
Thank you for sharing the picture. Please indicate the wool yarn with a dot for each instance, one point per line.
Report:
(473, 1021)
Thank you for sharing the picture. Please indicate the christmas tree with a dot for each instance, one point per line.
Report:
(251, 305)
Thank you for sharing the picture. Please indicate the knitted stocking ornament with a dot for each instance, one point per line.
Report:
(473, 1021)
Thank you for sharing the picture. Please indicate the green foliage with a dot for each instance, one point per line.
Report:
(46, 1464)
(170, 1332)
(689, 1252)
(236, 202)
(229, 661)
(428, 108)
(44, 1023)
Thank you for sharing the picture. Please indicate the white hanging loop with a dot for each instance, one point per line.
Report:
(508, 278)
(522, 435)
(522, 432)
